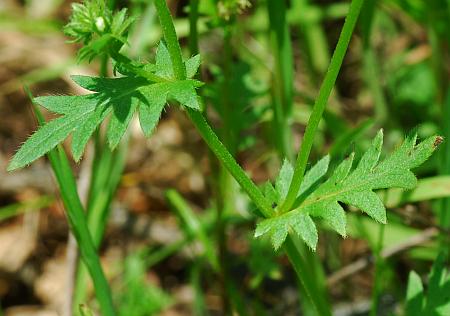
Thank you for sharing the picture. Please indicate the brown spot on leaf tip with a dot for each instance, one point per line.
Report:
(438, 141)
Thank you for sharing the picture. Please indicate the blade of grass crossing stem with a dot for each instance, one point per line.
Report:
(283, 75)
(321, 102)
(77, 221)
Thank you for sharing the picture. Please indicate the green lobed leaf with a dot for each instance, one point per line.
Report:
(119, 98)
(48, 136)
(301, 225)
(352, 187)
(62, 104)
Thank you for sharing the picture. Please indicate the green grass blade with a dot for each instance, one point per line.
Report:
(77, 221)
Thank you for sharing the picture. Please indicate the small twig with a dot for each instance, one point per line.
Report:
(364, 262)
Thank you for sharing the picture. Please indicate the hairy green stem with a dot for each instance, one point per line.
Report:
(170, 35)
(199, 121)
(228, 161)
(321, 102)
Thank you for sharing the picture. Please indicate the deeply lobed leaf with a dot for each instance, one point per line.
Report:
(352, 187)
(119, 98)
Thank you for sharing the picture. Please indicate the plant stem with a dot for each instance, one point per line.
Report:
(320, 103)
(199, 121)
(236, 171)
(170, 35)
(228, 161)
(77, 221)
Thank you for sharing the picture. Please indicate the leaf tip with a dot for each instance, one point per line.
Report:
(12, 166)
(382, 219)
(312, 247)
(15, 164)
(437, 141)
(76, 157)
(380, 132)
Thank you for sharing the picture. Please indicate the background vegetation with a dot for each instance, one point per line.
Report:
(175, 233)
